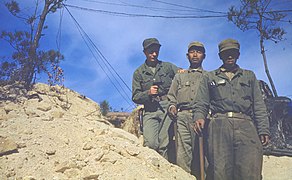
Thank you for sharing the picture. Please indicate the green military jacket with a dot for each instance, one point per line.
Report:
(240, 94)
(144, 78)
(184, 88)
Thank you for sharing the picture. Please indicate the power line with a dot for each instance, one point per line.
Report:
(280, 11)
(58, 36)
(144, 15)
(124, 4)
(151, 8)
(188, 7)
(84, 37)
(125, 98)
(158, 8)
(103, 57)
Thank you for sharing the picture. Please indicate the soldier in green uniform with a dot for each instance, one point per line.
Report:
(181, 95)
(239, 124)
(151, 82)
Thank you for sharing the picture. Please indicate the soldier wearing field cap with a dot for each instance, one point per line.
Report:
(150, 85)
(239, 124)
(181, 95)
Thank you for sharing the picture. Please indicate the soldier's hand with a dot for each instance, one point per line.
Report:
(181, 70)
(265, 139)
(153, 90)
(172, 112)
(199, 126)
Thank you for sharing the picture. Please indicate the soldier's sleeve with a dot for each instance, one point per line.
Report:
(138, 95)
(172, 93)
(202, 99)
(260, 110)
(174, 68)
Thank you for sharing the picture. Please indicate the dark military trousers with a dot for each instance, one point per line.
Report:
(187, 149)
(155, 129)
(234, 150)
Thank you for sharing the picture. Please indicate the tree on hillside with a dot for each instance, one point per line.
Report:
(104, 107)
(27, 60)
(257, 15)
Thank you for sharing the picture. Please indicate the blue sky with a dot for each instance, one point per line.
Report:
(119, 39)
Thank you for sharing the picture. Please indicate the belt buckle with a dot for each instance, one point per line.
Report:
(230, 114)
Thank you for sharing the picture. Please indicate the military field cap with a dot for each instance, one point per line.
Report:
(228, 44)
(150, 41)
(197, 44)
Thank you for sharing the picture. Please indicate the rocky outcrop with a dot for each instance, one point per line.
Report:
(7, 146)
(55, 133)
(117, 118)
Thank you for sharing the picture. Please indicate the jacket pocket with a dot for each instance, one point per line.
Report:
(217, 90)
(183, 92)
(245, 92)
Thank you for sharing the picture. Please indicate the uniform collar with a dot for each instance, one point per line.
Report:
(234, 70)
(221, 71)
(146, 68)
(158, 63)
(199, 69)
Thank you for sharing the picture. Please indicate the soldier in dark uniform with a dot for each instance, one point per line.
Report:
(239, 124)
(151, 82)
(181, 95)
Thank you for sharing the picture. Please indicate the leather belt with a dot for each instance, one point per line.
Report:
(239, 115)
(186, 110)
